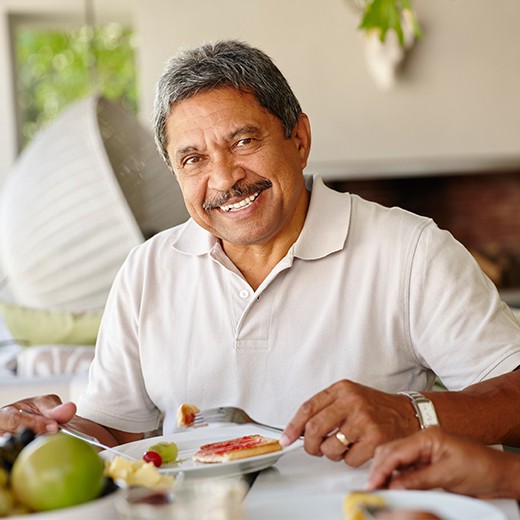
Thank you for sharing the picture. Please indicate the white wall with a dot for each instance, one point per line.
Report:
(457, 103)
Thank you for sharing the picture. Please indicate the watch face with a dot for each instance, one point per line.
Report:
(428, 414)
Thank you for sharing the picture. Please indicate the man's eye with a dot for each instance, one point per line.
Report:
(245, 141)
(190, 161)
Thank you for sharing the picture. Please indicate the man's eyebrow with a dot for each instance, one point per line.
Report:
(245, 130)
(184, 150)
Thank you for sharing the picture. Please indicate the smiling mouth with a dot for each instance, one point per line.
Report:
(242, 204)
(251, 193)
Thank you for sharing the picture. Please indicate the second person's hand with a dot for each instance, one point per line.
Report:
(434, 459)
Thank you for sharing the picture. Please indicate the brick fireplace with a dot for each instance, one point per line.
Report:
(482, 210)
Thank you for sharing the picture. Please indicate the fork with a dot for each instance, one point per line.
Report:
(228, 414)
(94, 442)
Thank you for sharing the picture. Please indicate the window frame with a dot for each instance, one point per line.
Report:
(51, 14)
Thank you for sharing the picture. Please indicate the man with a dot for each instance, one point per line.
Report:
(278, 287)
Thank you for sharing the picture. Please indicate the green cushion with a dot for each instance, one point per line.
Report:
(30, 326)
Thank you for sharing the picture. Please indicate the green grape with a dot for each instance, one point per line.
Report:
(167, 450)
(6, 502)
(20, 509)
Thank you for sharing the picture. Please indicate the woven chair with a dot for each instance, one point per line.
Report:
(87, 189)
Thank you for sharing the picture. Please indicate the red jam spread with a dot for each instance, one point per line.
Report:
(219, 448)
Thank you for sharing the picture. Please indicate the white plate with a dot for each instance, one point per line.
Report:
(190, 441)
(447, 506)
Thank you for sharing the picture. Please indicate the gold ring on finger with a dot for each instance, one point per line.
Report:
(341, 438)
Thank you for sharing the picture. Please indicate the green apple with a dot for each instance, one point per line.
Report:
(56, 471)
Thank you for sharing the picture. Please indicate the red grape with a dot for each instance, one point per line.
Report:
(153, 456)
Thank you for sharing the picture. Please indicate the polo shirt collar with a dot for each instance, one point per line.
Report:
(326, 225)
(194, 240)
(317, 239)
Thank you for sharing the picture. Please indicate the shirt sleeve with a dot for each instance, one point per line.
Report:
(459, 327)
(116, 394)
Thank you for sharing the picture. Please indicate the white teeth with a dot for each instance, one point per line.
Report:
(242, 204)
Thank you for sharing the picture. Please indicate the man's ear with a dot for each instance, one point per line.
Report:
(302, 137)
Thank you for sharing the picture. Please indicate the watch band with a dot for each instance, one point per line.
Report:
(424, 409)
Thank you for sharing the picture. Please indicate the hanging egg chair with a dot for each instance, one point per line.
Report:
(89, 187)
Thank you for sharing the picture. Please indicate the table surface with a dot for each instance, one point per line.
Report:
(299, 474)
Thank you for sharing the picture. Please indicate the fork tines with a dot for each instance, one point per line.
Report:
(209, 415)
(198, 420)
(205, 416)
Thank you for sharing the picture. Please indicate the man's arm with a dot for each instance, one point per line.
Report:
(108, 436)
(488, 411)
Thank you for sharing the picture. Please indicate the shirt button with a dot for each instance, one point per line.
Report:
(244, 294)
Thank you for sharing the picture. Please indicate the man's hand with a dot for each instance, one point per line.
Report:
(432, 458)
(44, 414)
(366, 418)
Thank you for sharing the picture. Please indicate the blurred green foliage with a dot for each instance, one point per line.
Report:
(385, 15)
(56, 68)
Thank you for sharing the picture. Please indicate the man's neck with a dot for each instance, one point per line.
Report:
(256, 261)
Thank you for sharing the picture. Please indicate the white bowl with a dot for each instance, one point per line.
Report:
(101, 508)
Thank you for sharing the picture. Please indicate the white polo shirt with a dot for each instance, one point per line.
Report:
(376, 295)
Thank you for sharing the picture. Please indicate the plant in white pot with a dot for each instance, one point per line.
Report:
(390, 28)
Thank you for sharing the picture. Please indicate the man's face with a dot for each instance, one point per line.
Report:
(240, 177)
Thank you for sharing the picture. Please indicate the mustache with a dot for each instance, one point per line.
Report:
(238, 190)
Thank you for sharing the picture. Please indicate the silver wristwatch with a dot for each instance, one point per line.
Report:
(424, 409)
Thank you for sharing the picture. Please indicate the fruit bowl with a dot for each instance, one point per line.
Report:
(55, 475)
(58, 477)
(103, 507)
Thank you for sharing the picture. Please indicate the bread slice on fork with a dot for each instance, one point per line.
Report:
(186, 414)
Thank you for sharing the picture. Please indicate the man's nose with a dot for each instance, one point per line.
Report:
(225, 172)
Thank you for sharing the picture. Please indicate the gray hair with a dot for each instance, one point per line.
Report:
(222, 64)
